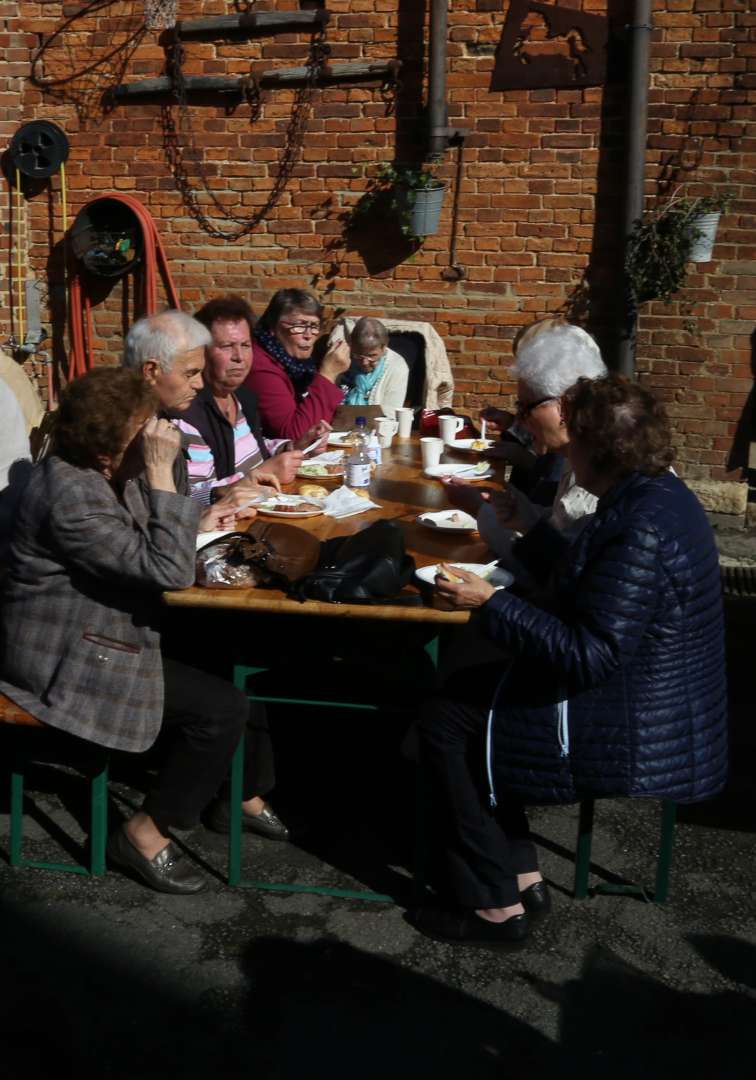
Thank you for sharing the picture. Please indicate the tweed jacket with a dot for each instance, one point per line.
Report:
(621, 690)
(79, 648)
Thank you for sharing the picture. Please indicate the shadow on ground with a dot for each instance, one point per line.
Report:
(329, 1009)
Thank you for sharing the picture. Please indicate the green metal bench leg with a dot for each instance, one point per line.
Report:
(17, 817)
(583, 850)
(663, 864)
(666, 840)
(98, 825)
(235, 815)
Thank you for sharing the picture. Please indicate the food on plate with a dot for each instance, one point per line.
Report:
(330, 469)
(447, 573)
(313, 491)
(455, 518)
(480, 444)
(291, 508)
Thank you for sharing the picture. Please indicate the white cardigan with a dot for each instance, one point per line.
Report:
(390, 391)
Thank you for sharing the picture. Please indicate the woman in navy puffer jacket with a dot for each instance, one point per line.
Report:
(618, 689)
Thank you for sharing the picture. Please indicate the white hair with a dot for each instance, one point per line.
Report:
(368, 333)
(550, 362)
(162, 337)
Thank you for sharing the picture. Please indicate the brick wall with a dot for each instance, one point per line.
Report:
(538, 201)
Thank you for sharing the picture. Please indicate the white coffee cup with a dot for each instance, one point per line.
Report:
(449, 426)
(386, 429)
(431, 449)
(405, 417)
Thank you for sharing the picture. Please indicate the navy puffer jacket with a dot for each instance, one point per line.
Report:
(636, 651)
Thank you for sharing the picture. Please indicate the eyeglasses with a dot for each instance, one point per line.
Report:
(524, 409)
(302, 327)
(368, 359)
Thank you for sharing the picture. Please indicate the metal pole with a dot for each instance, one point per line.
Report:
(639, 37)
(438, 117)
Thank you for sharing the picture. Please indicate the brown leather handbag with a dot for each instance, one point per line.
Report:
(269, 553)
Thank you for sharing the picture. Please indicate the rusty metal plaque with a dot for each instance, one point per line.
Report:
(543, 46)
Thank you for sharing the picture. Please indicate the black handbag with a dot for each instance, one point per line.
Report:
(369, 567)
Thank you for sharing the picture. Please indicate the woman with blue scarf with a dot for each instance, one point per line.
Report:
(378, 375)
(293, 394)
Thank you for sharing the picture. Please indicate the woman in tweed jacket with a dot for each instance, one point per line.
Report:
(91, 552)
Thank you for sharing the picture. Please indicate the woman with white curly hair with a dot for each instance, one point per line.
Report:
(550, 357)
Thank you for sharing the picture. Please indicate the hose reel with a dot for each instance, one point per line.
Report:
(38, 149)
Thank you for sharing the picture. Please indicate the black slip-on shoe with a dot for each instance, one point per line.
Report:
(536, 900)
(170, 871)
(466, 928)
(267, 823)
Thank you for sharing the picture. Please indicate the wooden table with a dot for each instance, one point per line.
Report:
(403, 492)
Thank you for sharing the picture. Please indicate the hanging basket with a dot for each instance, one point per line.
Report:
(424, 208)
(705, 230)
(160, 14)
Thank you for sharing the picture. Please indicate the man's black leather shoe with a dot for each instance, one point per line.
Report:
(170, 871)
(267, 823)
(462, 927)
(536, 900)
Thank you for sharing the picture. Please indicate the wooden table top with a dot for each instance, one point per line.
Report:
(403, 492)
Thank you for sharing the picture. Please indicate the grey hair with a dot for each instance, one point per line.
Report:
(550, 362)
(369, 333)
(162, 337)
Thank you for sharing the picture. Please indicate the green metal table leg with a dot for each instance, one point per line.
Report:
(583, 850)
(431, 650)
(666, 840)
(241, 674)
(98, 828)
(17, 815)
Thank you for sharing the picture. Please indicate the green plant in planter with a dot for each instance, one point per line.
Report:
(660, 245)
(395, 192)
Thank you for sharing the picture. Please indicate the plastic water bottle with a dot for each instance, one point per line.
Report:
(374, 451)
(358, 464)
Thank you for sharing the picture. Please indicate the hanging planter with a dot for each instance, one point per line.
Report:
(412, 197)
(704, 230)
(422, 207)
(664, 242)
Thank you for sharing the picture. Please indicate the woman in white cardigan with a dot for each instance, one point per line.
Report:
(378, 375)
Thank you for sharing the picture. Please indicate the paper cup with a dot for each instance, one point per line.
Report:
(449, 426)
(431, 450)
(405, 417)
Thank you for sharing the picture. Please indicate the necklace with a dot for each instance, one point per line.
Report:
(227, 406)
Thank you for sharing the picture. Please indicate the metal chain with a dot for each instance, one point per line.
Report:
(181, 145)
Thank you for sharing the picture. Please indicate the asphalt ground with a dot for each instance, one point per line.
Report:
(103, 977)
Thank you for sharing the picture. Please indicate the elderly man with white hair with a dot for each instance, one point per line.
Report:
(169, 351)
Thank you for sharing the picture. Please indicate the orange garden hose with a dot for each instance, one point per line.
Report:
(80, 305)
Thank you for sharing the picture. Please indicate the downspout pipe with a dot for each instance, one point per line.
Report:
(438, 115)
(639, 37)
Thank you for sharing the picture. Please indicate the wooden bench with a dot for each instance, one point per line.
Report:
(13, 716)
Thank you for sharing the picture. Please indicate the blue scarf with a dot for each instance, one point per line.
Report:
(301, 372)
(363, 383)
